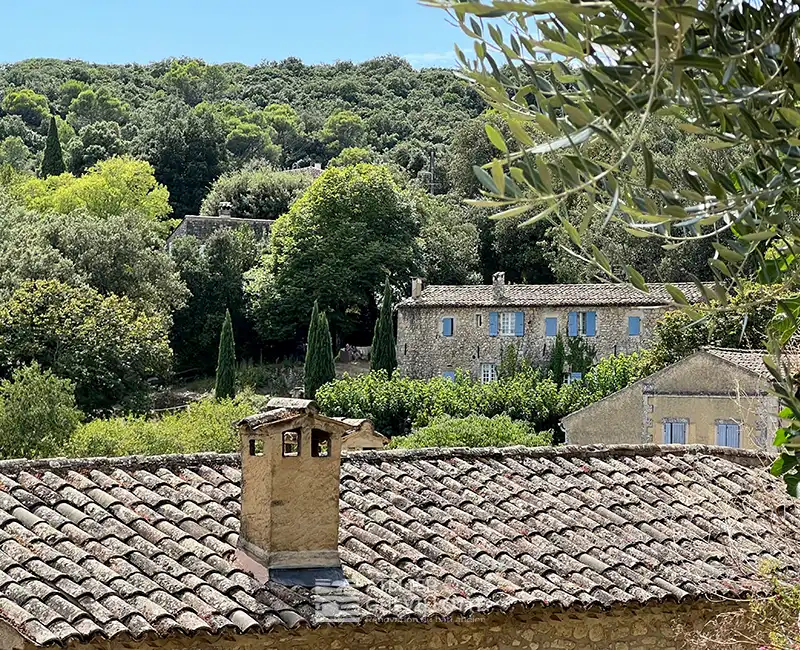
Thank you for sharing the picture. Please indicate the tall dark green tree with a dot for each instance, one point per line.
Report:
(384, 349)
(319, 367)
(226, 361)
(53, 161)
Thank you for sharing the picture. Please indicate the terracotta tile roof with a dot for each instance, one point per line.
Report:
(752, 360)
(146, 546)
(548, 295)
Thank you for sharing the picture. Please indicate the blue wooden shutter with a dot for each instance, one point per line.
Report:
(551, 326)
(494, 323)
(449, 374)
(519, 324)
(591, 323)
(634, 325)
(572, 324)
(447, 326)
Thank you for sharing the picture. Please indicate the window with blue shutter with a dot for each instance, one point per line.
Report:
(728, 434)
(591, 323)
(575, 376)
(551, 326)
(634, 325)
(494, 323)
(519, 324)
(447, 326)
(449, 374)
(572, 323)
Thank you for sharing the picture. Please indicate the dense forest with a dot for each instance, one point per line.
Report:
(98, 163)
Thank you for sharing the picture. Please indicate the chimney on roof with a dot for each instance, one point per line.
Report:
(291, 457)
(499, 285)
(225, 209)
(417, 285)
(317, 165)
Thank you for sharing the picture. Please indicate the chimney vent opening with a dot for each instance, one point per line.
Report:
(320, 443)
(291, 443)
(256, 447)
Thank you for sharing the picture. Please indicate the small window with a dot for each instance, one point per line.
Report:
(256, 447)
(291, 443)
(634, 325)
(488, 372)
(447, 326)
(507, 323)
(551, 326)
(320, 443)
(449, 374)
(405, 349)
(575, 376)
(675, 432)
(582, 323)
(728, 434)
(478, 320)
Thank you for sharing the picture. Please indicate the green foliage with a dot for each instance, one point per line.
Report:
(15, 153)
(278, 378)
(213, 271)
(352, 156)
(396, 405)
(122, 255)
(557, 365)
(351, 229)
(343, 130)
(256, 192)
(53, 161)
(383, 355)
(225, 387)
(37, 413)
(742, 323)
(509, 361)
(580, 354)
(111, 187)
(195, 81)
(109, 349)
(207, 425)
(473, 431)
(97, 142)
(92, 106)
(319, 367)
(29, 105)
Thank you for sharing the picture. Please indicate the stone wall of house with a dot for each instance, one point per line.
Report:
(423, 351)
(203, 227)
(700, 389)
(656, 627)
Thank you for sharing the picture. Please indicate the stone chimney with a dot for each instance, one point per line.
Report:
(417, 285)
(499, 285)
(290, 490)
(225, 209)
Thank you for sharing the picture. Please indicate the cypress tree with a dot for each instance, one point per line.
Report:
(328, 372)
(53, 161)
(226, 361)
(319, 368)
(384, 349)
(311, 368)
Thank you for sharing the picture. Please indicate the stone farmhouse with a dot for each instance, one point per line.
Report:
(441, 328)
(292, 545)
(717, 396)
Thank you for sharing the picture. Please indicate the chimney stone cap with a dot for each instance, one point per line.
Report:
(225, 209)
(293, 403)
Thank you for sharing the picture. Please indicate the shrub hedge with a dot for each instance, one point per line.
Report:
(473, 431)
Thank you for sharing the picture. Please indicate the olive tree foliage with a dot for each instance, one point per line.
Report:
(592, 76)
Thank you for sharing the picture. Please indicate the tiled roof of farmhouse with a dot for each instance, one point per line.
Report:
(549, 295)
(132, 547)
(752, 360)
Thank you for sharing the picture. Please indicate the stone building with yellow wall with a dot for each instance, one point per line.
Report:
(717, 396)
(442, 329)
(292, 545)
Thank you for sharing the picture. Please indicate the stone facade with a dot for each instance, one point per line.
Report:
(426, 347)
(656, 626)
(699, 393)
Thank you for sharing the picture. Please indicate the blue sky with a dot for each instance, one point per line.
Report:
(317, 31)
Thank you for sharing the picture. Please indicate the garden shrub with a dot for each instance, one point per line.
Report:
(37, 413)
(206, 425)
(399, 404)
(474, 431)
